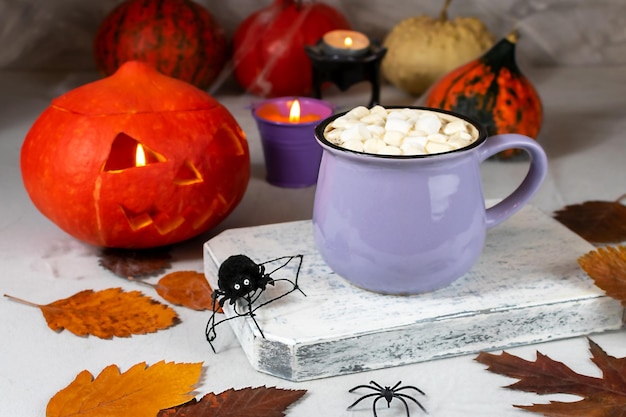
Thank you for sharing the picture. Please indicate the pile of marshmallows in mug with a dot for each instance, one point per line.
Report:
(401, 131)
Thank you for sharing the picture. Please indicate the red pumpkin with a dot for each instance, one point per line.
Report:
(493, 91)
(269, 55)
(82, 167)
(180, 38)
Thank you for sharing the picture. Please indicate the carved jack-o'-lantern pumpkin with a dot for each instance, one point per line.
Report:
(135, 160)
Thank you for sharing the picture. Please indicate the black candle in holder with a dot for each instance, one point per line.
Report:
(346, 58)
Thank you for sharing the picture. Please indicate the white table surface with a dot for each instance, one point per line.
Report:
(583, 134)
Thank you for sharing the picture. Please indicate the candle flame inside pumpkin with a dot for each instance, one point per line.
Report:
(348, 42)
(140, 156)
(294, 112)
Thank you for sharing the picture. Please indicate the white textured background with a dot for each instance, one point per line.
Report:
(57, 34)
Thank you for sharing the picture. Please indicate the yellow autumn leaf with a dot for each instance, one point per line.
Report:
(141, 391)
(607, 267)
(107, 313)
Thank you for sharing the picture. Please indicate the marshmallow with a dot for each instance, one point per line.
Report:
(393, 138)
(429, 123)
(402, 131)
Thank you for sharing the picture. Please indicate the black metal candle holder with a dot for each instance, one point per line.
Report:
(345, 71)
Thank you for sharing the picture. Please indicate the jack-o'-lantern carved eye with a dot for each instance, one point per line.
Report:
(127, 152)
(187, 174)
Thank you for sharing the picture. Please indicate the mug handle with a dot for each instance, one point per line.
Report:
(535, 176)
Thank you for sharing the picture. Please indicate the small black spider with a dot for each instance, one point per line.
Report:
(242, 281)
(388, 393)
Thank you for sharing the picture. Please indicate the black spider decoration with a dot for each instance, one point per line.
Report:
(388, 393)
(242, 281)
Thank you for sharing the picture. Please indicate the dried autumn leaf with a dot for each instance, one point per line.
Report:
(141, 391)
(607, 267)
(187, 288)
(246, 402)
(602, 397)
(135, 263)
(107, 313)
(596, 221)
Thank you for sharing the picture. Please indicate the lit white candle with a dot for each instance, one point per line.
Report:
(345, 43)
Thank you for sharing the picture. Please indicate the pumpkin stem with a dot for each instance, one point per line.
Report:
(283, 4)
(443, 16)
(513, 36)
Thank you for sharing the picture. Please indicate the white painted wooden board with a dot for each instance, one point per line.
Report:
(526, 288)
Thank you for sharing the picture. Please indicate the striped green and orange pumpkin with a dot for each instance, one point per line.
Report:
(180, 38)
(493, 91)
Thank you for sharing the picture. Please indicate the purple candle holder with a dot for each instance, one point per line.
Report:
(292, 155)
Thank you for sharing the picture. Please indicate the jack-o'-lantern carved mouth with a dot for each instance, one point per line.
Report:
(129, 153)
(164, 224)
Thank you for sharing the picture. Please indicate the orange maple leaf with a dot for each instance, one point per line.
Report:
(607, 267)
(602, 397)
(596, 221)
(187, 288)
(141, 391)
(107, 313)
(246, 402)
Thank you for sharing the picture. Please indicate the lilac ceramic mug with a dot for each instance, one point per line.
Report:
(411, 224)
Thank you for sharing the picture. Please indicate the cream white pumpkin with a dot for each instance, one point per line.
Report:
(420, 49)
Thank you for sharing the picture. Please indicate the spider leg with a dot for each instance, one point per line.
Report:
(251, 314)
(210, 333)
(363, 386)
(284, 264)
(396, 386)
(400, 396)
(406, 406)
(362, 398)
(374, 405)
(251, 298)
(210, 326)
(411, 387)
(377, 385)
(288, 259)
(295, 284)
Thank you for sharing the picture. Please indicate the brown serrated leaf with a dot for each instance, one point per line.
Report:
(139, 392)
(136, 263)
(602, 397)
(607, 267)
(246, 402)
(596, 221)
(187, 288)
(107, 313)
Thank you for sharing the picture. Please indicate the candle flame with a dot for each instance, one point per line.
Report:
(348, 41)
(140, 156)
(294, 112)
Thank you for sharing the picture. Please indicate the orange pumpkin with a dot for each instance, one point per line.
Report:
(135, 160)
(493, 91)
